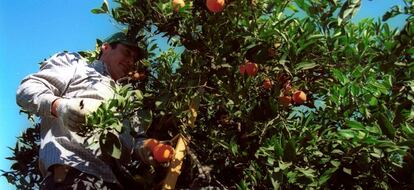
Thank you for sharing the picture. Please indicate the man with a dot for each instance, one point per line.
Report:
(62, 93)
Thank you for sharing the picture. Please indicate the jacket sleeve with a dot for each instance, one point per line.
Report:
(131, 138)
(38, 90)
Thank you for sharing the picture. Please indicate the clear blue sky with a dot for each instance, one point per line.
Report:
(36, 29)
(33, 30)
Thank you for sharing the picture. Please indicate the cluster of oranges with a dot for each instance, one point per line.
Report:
(298, 97)
(249, 68)
(161, 152)
(136, 76)
(214, 6)
(289, 95)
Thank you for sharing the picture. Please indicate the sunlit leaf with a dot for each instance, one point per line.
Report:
(111, 145)
(305, 66)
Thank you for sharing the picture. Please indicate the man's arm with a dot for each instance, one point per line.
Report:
(38, 91)
(144, 147)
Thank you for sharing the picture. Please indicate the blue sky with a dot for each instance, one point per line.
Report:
(29, 32)
(36, 29)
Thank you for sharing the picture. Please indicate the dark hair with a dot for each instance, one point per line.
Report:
(142, 54)
(113, 44)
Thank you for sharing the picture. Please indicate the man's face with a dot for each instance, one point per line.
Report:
(118, 60)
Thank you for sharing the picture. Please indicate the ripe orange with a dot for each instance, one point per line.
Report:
(242, 69)
(251, 68)
(177, 4)
(299, 97)
(163, 153)
(267, 84)
(138, 76)
(142, 76)
(215, 6)
(285, 100)
(151, 143)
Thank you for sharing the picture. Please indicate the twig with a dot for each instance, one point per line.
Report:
(200, 86)
(265, 128)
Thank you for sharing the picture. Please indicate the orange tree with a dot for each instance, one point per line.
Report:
(270, 94)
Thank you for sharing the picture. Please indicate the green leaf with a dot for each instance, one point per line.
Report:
(138, 95)
(335, 163)
(233, 146)
(303, 5)
(145, 118)
(373, 101)
(347, 133)
(292, 176)
(355, 124)
(355, 90)
(117, 126)
(349, 9)
(97, 11)
(347, 170)
(357, 72)
(289, 153)
(377, 153)
(305, 66)
(158, 104)
(110, 144)
(284, 165)
(337, 151)
(327, 175)
(130, 2)
(307, 172)
(242, 185)
(388, 81)
(340, 76)
(105, 6)
(386, 125)
(395, 10)
(109, 122)
(408, 130)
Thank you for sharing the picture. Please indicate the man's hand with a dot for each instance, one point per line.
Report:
(152, 149)
(73, 111)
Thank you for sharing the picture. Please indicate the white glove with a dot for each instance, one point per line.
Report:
(73, 111)
(145, 155)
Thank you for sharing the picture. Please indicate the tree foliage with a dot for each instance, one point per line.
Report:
(24, 172)
(355, 130)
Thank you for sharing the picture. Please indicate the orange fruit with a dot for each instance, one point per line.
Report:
(242, 69)
(251, 68)
(299, 97)
(135, 76)
(267, 84)
(285, 100)
(151, 143)
(138, 76)
(215, 6)
(163, 153)
(177, 4)
(142, 76)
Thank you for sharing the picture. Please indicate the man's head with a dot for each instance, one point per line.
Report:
(119, 53)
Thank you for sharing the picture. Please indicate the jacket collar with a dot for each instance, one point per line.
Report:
(100, 67)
